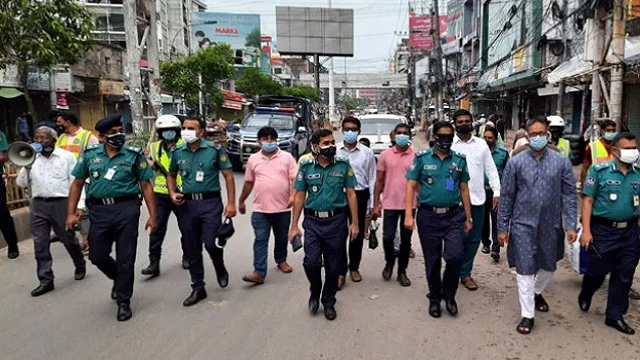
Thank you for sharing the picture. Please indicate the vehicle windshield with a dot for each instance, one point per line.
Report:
(276, 121)
(384, 126)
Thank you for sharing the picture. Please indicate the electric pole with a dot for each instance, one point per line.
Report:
(332, 95)
(596, 34)
(133, 64)
(437, 49)
(560, 103)
(617, 49)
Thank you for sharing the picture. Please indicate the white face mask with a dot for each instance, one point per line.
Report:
(189, 136)
(629, 156)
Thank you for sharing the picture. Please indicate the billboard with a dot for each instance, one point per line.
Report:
(309, 31)
(421, 28)
(240, 31)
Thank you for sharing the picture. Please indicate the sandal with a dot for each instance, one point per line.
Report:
(541, 304)
(525, 326)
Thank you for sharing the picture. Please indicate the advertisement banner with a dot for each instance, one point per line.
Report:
(420, 32)
(240, 31)
(455, 21)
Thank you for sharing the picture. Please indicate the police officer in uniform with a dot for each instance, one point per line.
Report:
(610, 229)
(160, 152)
(199, 163)
(118, 173)
(328, 183)
(441, 176)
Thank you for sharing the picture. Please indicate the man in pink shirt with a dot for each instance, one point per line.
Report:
(393, 164)
(270, 173)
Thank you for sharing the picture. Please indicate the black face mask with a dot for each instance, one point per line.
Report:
(556, 134)
(463, 129)
(444, 142)
(60, 129)
(328, 151)
(491, 143)
(116, 140)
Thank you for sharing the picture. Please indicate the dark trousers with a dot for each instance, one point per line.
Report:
(164, 208)
(389, 226)
(199, 221)
(355, 245)
(324, 242)
(618, 252)
(47, 215)
(490, 230)
(6, 221)
(434, 230)
(262, 224)
(472, 241)
(117, 223)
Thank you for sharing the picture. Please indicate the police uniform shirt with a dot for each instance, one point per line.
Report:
(325, 185)
(616, 196)
(500, 157)
(200, 169)
(3, 147)
(439, 179)
(113, 177)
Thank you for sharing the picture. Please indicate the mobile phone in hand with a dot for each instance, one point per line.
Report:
(296, 243)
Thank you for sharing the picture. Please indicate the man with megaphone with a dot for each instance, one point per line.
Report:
(7, 226)
(47, 173)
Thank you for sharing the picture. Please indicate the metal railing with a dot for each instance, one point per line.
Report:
(16, 196)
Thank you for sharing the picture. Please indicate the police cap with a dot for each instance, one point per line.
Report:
(109, 122)
(225, 231)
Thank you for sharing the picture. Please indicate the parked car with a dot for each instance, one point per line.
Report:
(293, 134)
(378, 127)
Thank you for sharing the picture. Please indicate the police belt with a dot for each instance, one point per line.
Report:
(325, 214)
(614, 224)
(49, 199)
(202, 196)
(439, 210)
(112, 200)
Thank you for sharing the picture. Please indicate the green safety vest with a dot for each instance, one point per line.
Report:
(162, 160)
(564, 147)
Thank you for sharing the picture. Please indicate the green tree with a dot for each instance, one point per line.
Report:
(181, 76)
(303, 91)
(254, 83)
(253, 39)
(43, 34)
(352, 103)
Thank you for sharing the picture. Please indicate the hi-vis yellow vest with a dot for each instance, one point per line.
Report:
(600, 155)
(162, 159)
(78, 145)
(564, 146)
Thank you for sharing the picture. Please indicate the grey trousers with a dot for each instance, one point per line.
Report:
(48, 214)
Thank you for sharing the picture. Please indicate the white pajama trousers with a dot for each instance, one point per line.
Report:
(528, 287)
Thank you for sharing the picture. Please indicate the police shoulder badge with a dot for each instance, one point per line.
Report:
(591, 181)
(350, 172)
(143, 164)
(223, 157)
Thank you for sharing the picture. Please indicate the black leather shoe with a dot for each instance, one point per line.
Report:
(314, 304)
(485, 249)
(42, 289)
(452, 307)
(387, 271)
(495, 256)
(223, 279)
(195, 297)
(13, 254)
(584, 304)
(80, 272)
(185, 264)
(435, 310)
(621, 326)
(153, 269)
(124, 312)
(113, 291)
(404, 280)
(330, 313)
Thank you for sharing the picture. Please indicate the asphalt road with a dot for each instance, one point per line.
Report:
(376, 319)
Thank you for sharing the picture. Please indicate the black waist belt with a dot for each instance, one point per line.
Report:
(112, 200)
(49, 199)
(439, 210)
(324, 214)
(202, 196)
(614, 224)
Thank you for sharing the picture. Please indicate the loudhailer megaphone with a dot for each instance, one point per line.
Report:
(21, 153)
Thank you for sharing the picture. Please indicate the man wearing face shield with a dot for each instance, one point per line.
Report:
(49, 179)
(556, 128)
(538, 205)
(160, 153)
(610, 229)
(118, 174)
(329, 183)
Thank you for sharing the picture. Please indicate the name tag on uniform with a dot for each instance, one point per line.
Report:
(636, 200)
(313, 176)
(110, 173)
(430, 167)
(450, 184)
(200, 176)
(337, 174)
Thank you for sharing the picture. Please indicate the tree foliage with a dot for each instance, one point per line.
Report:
(254, 83)
(253, 39)
(352, 103)
(181, 75)
(43, 34)
(303, 91)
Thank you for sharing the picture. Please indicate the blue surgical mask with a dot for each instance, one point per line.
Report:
(402, 140)
(350, 137)
(37, 147)
(169, 135)
(538, 142)
(609, 136)
(269, 146)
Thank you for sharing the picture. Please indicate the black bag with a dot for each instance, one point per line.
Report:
(373, 238)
